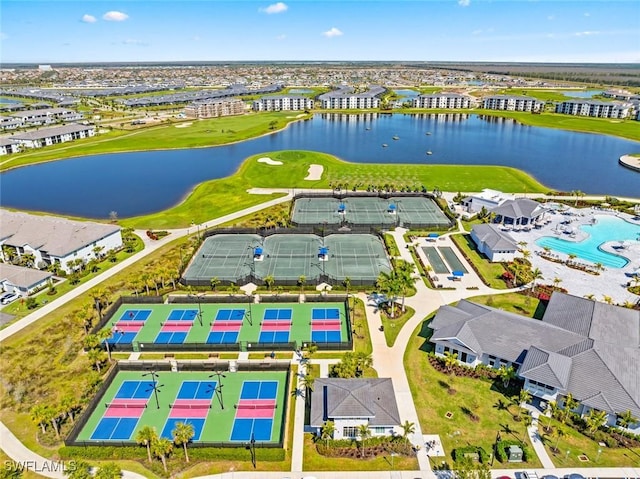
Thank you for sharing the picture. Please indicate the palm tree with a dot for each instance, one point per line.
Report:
(506, 374)
(524, 397)
(233, 289)
(161, 448)
(301, 282)
(327, 431)
(39, 416)
(578, 194)
(347, 284)
(404, 272)
(572, 256)
(363, 362)
(147, 436)
(558, 432)
(595, 419)
(626, 419)
(215, 281)
(96, 358)
(389, 284)
(536, 274)
(182, 434)
(557, 281)
(69, 405)
(103, 337)
(269, 280)
(364, 432)
(408, 428)
(569, 404)
(306, 382)
(81, 470)
(607, 299)
(450, 360)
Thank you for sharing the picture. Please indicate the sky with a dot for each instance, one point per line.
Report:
(581, 31)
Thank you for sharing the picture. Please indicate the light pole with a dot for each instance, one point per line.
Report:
(249, 313)
(155, 387)
(252, 447)
(198, 297)
(218, 390)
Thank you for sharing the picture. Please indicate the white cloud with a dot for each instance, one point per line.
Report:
(333, 32)
(275, 8)
(586, 33)
(86, 18)
(281, 37)
(115, 16)
(464, 3)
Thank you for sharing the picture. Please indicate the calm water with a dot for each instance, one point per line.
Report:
(144, 182)
(607, 228)
(300, 91)
(9, 101)
(406, 94)
(581, 94)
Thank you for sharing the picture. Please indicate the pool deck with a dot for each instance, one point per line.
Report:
(611, 282)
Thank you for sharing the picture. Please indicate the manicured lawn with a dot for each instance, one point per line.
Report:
(513, 303)
(392, 327)
(433, 398)
(317, 462)
(579, 445)
(490, 273)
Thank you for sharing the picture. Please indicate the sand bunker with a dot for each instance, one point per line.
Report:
(315, 172)
(269, 161)
(184, 125)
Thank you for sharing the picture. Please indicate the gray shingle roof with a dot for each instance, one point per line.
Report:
(589, 349)
(57, 130)
(494, 238)
(56, 236)
(371, 398)
(21, 276)
(519, 208)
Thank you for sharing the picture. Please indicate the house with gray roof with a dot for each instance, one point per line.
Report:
(350, 403)
(495, 244)
(8, 146)
(582, 347)
(56, 240)
(518, 212)
(54, 135)
(21, 280)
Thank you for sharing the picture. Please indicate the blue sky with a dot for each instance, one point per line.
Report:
(418, 30)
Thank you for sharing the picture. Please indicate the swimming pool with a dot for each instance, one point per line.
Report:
(607, 228)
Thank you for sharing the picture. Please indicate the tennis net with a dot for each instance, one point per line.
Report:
(255, 406)
(326, 322)
(119, 405)
(190, 406)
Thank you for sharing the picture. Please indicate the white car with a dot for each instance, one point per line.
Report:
(8, 298)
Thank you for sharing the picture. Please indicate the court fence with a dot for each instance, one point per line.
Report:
(195, 366)
(113, 307)
(346, 224)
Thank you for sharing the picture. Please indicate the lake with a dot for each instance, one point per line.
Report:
(145, 182)
(581, 93)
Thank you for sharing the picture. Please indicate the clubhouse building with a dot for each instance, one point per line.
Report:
(580, 347)
(55, 240)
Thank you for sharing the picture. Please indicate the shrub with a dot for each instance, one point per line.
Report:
(460, 453)
(501, 450)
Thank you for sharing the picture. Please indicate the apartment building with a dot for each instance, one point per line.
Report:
(345, 98)
(53, 136)
(512, 103)
(443, 100)
(593, 108)
(283, 103)
(214, 108)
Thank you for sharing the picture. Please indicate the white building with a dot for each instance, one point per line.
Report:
(512, 103)
(53, 136)
(443, 101)
(487, 199)
(45, 116)
(598, 109)
(21, 280)
(493, 243)
(580, 346)
(350, 403)
(345, 99)
(283, 103)
(8, 146)
(56, 240)
(214, 108)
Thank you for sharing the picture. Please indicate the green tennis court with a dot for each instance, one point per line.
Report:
(262, 326)
(228, 408)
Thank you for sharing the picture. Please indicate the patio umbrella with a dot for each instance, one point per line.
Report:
(575, 475)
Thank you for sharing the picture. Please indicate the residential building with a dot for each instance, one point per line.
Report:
(344, 98)
(45, 116)
(495, 244)
(9, 123)
(21, 280)
(349, 403)
(512, 103)
(443, 100)
(583, 347)
(54, 135)
(518, 212)
(283, 103)
(8, 146)
(620, 95)
(598, 109)
(487, 199)
(56, 240)
(214, 108)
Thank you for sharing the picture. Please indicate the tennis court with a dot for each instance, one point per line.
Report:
(287, 257)
(435, 260)
(226, 325)
(362, 257)
(316, 211)
(369, 210)
(224, 256)
(220, 408)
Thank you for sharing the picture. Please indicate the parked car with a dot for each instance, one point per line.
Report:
(7, 298)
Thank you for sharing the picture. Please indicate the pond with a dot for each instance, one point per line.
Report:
(300, 91)
(406, 94)
(140, 183)
(581, 93)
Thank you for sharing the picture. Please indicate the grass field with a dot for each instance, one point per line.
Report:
(490, 273)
